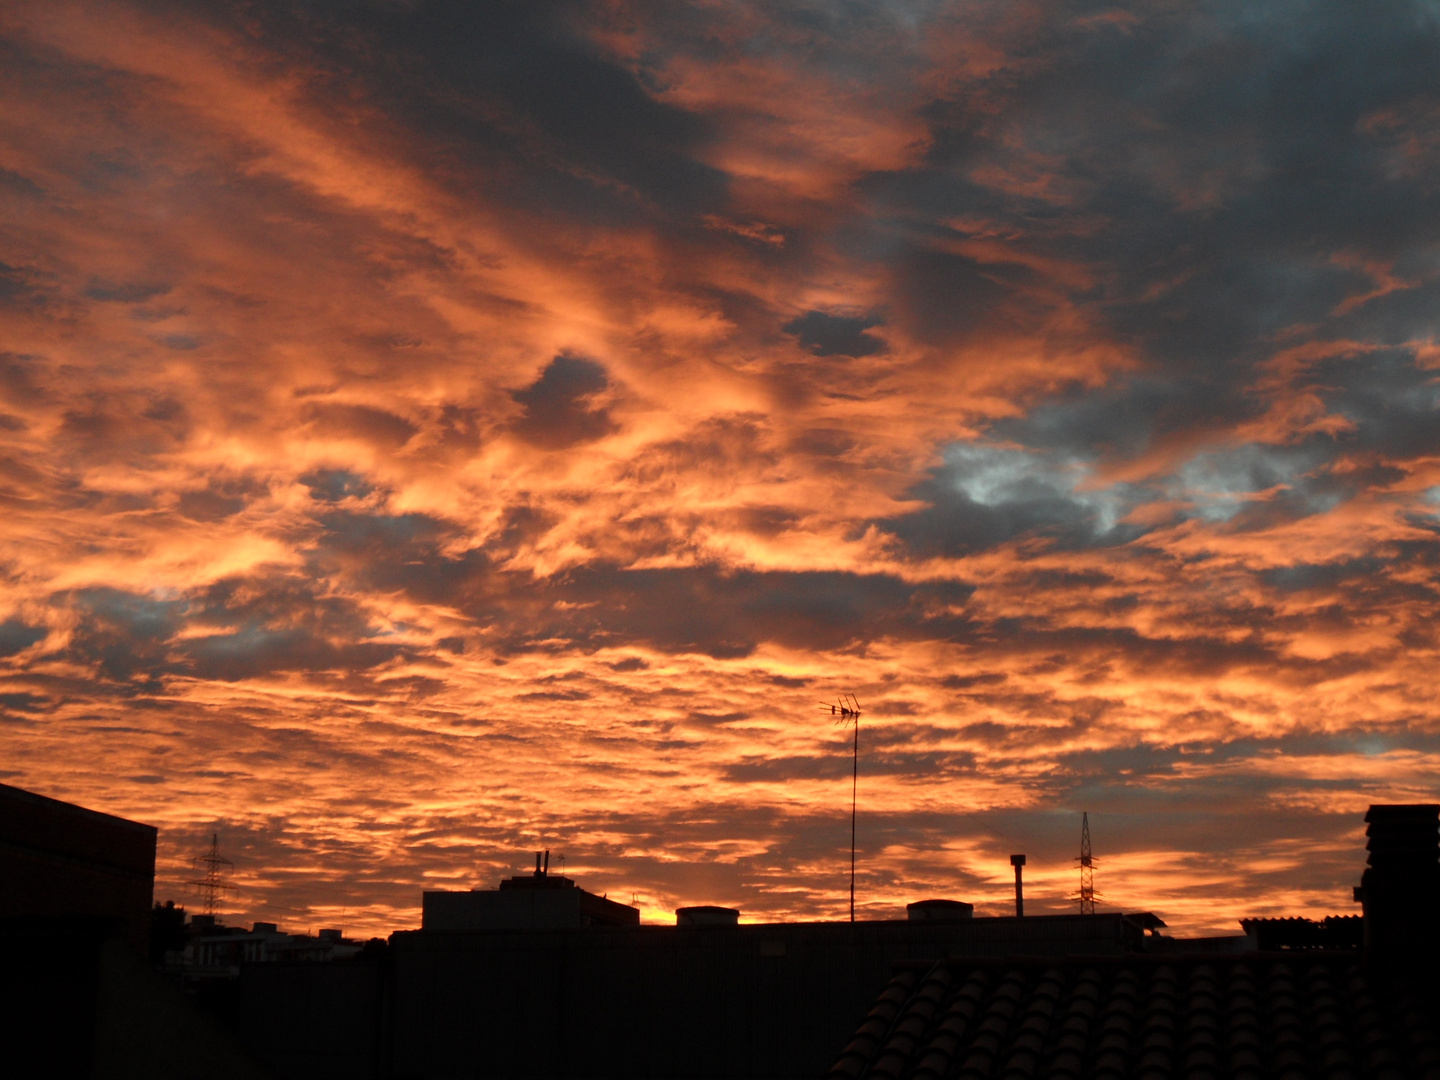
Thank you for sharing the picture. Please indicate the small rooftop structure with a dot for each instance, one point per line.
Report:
(1147, 920)
(707, 915)
(939, 911)
(1295, 933)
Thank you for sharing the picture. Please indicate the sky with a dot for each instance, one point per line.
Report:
(433, 432)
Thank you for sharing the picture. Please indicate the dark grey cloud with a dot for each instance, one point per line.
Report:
(402, 552)
(131, 427)
(257, 650)
(19, 378)
(18, 185)
(126, 636)
(824, 334)
(278, 623)
(508, 98)
(259, 625)
(22, 286)
(377, 426)
(946, 299)
(1219, 175)
(558, 405)
(221, 498)
(1392, 400)
(705, 609)
(729, 614)
(987, 494)
(335, 485)
(16, 635)
(126, 292)
(24, 701)
(1127, 418)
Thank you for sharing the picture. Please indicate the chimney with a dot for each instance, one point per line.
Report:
(1017, 861)
(1400, 889)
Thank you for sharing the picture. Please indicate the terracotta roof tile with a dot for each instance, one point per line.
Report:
(1312, 1015)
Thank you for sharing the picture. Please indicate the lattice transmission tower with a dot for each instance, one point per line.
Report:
(1086, 896)
(215, 878)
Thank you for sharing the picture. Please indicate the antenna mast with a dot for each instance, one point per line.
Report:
(847, 711)
(1086, 898)
(216, 876)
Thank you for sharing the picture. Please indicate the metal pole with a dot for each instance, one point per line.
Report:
(854, 789)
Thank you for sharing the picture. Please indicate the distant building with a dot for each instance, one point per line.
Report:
(58, 859)
(524, 902)
(214, 952)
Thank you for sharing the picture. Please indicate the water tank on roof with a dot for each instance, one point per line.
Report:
(707, 915)
(939, 910)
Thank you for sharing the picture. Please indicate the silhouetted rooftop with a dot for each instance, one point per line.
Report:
(1326, 1015)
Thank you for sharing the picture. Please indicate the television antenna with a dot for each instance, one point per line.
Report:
(847, 712)
(1086, 896)
(216, 878)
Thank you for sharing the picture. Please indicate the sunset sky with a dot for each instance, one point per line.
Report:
(436, 431)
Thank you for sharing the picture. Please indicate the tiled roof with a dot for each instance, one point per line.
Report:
(1291, 1017)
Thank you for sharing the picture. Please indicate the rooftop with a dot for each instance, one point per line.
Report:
(1320, 1015)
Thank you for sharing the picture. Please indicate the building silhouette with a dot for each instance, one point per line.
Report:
(58, 859)
(540, 977)
(78, 994)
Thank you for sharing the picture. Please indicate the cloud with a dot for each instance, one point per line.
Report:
(16, 636)
(124, 636)
(436, 431)
(335, 485)
(556, 406)
(986, 495)
(383, 428)
(126, 292)
(835, 335)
